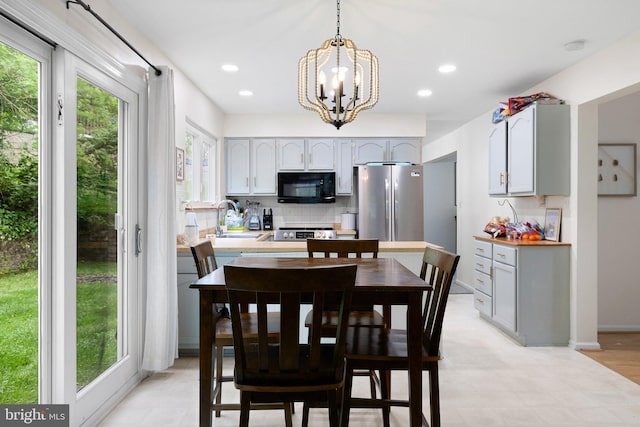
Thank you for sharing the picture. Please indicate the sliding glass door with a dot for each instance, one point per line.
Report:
(101, 329)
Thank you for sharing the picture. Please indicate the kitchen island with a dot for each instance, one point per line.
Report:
(408, 253)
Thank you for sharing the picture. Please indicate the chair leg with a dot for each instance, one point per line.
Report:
(305, 414)
(346, 395)
(245, 407)
(434, 395)
(219, 357)
(334, 411)
(287, 414)
(372, 383)
(385, 392)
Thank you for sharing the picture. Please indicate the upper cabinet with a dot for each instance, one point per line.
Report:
(536, 160)
(251, 166)
(387, 150)
(344, 167)
(306, 154)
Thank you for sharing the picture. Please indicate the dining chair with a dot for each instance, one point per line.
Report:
(385, 349)
(365, 316)
(205, 259)
(289, 370)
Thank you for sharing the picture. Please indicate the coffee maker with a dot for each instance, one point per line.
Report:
(267, 219)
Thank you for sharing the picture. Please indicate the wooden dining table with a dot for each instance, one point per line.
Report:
(378, 281)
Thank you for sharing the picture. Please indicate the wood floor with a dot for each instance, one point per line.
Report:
(620, 352)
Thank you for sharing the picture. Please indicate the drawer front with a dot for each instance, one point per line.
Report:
(505, 254)
(482, 264)
(482, 303)
(482, 282)
(482, 248)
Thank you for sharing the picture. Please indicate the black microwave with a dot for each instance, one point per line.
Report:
(306, 187)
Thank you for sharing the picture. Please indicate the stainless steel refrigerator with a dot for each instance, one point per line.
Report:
(390, 202)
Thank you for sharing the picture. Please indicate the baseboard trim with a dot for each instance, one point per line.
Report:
(584, 345)
(619, 328)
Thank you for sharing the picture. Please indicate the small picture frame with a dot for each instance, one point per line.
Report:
(552, 220)
(617, 170)
(179, 164)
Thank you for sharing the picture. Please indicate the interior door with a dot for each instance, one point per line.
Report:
(97, 216)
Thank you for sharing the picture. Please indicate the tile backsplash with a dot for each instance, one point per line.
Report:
(284, 214)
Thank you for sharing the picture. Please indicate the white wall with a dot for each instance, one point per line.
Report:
(618, 267)
(606, 75)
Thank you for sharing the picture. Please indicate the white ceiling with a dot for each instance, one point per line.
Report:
(500, 48)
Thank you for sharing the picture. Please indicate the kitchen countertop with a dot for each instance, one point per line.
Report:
(272, 246)
(518, 242)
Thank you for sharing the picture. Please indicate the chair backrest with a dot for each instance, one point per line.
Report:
(342, 248)
(279, 363)
(204, 257)
(438, 269)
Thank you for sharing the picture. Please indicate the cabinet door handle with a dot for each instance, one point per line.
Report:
(480, 265)
(479, 249)
(247, 181)
(310, 158)
(501, 255)
(480, 281)
(481, 301)
(501, 178)
(301, 158)
(255, 181)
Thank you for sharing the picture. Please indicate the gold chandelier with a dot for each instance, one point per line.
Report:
(354, 79)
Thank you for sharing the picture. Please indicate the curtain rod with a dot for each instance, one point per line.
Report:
(28, 29)
(106, 24)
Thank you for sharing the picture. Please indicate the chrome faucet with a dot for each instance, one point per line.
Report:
(217, 205)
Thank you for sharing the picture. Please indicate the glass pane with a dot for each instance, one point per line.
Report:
(188, 167)
(204, 172)
(19, 76)
(97, 240)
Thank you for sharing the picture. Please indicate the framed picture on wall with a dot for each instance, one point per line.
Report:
(552, 220)
(179, 164)
(617, 170)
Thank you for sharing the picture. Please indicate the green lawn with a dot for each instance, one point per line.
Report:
(97, 319)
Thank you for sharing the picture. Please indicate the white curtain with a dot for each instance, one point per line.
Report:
(161, 328)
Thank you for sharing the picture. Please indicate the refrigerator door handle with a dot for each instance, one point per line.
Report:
(387, 211)
(394, 234)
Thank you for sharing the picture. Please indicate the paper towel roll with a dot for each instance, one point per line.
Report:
(348, 221)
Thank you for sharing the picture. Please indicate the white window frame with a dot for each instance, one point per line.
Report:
(200, 139)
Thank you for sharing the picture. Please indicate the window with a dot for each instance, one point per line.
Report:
(199, 161)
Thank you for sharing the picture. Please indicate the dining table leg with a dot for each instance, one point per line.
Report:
(206, 364)
(414, 335)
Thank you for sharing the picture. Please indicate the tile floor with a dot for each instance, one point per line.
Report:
(486, 380)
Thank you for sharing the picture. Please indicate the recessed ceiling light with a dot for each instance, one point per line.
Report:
(447, 68)
(424, 93)
(245, 93)
(230, 68)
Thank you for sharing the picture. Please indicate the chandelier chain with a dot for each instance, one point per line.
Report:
(338, 36)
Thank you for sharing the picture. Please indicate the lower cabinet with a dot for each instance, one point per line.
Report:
(523, 289)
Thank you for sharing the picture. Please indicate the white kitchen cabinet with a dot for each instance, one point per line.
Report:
(251, 166)
(405, 150)
(298, 154)
(238, 154)
(344, 167)
(523, 289)
(291, 153)
(263, 166)
(189, 300)
(504, 286)
(498, 159)
(387, 150)
(370, 150)
(537, 153)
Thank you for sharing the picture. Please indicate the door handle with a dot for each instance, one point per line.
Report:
(138, 240)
